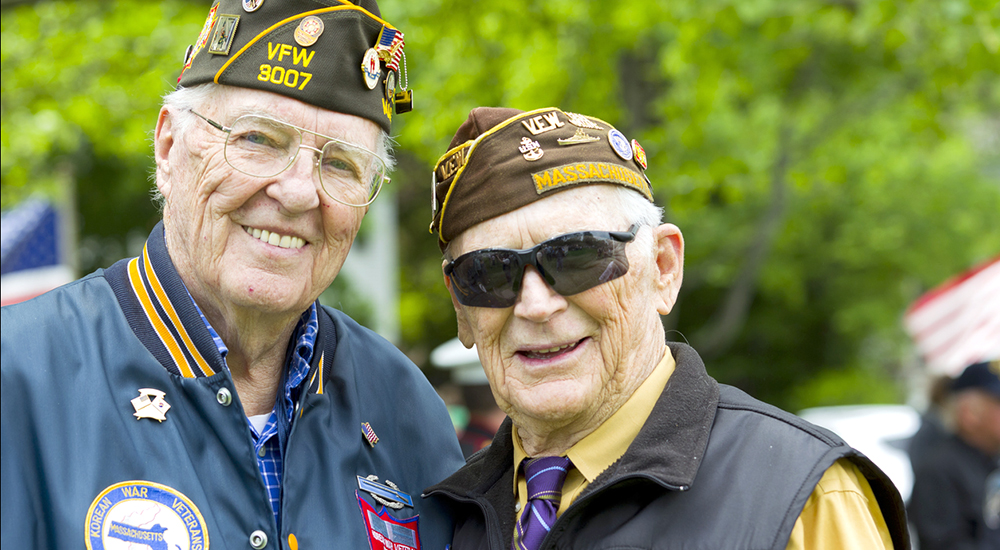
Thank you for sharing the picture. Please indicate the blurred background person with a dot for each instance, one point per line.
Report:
(954, 500)
(484, 416)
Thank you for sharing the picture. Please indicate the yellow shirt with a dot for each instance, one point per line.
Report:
(840, 513)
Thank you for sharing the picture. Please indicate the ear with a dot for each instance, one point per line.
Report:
(163, 141)
(670, 264)
(464, 326)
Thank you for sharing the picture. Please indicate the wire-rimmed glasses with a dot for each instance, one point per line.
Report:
(264, 147)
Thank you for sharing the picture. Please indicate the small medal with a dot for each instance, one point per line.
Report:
(390, 84)
(308, 31)
(251, 6)
(639, 153)
(404, 101)
(620, 144)
(370, 68)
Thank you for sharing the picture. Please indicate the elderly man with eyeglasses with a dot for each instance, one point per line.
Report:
(198, 396)
(559, 268)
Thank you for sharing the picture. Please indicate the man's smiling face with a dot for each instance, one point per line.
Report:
(566, 362)
(242, 242)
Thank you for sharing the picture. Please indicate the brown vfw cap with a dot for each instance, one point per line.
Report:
(502, 159)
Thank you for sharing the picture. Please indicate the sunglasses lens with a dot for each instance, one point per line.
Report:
(579, 262)
(570, 264)
(487, 278)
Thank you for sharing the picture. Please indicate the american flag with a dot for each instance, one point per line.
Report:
(958, 323)
(366, 429)
(390, 47)
(32, 251)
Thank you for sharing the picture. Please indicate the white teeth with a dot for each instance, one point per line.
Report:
(553, 350)
(283, 241)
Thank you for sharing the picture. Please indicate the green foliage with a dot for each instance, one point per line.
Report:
(826, 161)
(81, 83)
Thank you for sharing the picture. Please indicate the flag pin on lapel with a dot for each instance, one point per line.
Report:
(369, 433)
(150, 404)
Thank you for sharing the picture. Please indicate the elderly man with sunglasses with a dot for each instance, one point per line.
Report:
(198, 396)
(559, 268)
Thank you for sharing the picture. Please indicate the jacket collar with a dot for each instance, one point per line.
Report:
(164, 317)
(669, 447)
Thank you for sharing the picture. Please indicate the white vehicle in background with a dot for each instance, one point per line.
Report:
(881, 432)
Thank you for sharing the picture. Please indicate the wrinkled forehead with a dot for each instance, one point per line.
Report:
(588, 208)
(232, 103)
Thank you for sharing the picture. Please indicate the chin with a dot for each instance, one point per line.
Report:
(272, 298)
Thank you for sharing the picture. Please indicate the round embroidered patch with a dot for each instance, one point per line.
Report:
(144, 513)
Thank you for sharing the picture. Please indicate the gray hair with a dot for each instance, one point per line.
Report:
(184, 100)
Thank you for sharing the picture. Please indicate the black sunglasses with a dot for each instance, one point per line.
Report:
(569, 263)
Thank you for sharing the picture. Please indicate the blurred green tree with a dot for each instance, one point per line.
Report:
(826, 160)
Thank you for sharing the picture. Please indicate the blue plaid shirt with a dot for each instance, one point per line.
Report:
(267, 444)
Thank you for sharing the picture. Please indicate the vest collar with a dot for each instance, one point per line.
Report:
(669, 448)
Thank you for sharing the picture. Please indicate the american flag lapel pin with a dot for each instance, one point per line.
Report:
(369, 433)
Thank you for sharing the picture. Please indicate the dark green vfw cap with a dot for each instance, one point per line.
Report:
(333, 54)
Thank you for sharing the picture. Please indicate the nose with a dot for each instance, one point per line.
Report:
(537, 301)
(297, 188)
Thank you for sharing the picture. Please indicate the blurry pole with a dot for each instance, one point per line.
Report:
(372, 267)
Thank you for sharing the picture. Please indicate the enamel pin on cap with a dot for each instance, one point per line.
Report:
(150, 404)
(370, 68)
(308, 31)
(640, 154)
(620, 144)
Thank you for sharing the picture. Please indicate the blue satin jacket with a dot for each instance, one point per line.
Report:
(121, 425)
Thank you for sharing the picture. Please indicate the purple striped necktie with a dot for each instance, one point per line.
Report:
(545, 478)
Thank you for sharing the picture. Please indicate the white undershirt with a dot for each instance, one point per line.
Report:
(259, 421)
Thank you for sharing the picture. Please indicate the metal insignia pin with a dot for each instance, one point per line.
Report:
(582, 121)
(251, 6)
(530, 149)
(369, 433)
(620, 144)
(150, 404)
(579, 137)
(639, 153)
(370, 68)
(308, 31)
(387, 495)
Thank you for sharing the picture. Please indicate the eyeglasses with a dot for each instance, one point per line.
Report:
(264, 147)
(569, 263)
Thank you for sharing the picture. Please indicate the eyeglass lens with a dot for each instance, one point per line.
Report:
(264, 147)
(570, 264)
